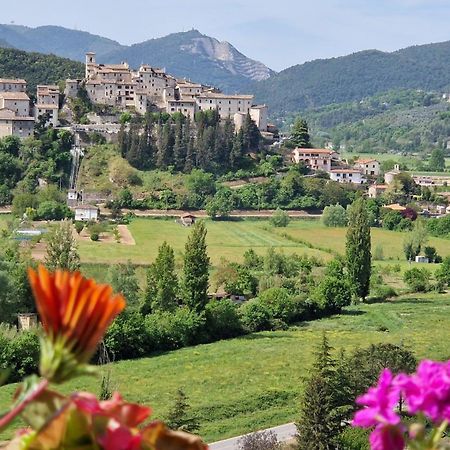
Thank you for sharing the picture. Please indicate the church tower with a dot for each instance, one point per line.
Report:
(90, 63)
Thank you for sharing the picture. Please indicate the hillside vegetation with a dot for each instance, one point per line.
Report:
(37, 68)
(402, 121)
(356, 76)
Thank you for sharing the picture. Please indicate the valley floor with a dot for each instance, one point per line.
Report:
(254, 382)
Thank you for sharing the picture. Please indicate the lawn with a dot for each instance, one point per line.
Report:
(253, 382)
(230, 239)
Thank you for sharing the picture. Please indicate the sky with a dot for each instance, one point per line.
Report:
(279, 33)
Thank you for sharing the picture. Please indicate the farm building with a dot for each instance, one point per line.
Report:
(86, 213)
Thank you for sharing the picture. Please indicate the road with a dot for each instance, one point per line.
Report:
(284, 433)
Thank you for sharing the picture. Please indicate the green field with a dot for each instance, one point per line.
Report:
(230, 239)
(253, 382)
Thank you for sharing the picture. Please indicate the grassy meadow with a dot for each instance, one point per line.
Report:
(230, 239)
(253, 382)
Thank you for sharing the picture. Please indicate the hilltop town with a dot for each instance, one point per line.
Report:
(120, 87)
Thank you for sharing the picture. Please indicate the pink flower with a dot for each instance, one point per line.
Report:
(379, 403)
(127, 414)
(119, 437)
(428, 391)
(387, 437)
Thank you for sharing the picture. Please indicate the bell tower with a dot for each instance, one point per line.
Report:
(90, 63)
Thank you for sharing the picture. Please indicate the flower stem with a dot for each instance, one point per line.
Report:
(22, 403)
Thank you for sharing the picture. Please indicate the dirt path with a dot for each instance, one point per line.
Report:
(126, 237)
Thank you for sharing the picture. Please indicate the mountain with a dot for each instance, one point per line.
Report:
(37, 68)
(197, 57)
(353, 77)
(72, 44)
(188, 54)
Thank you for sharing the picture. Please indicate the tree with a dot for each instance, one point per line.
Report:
(179, 417)
(280, 219)
(62, 250)
(162, 282)
(122, 278)
(333, 293)
(317, 427)
(418, 280)
(334, 216)
(300, 134)
(196, 269)
(358, 248)
(414, 241)
(437, 160)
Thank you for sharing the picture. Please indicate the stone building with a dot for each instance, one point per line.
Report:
(15, 117)
(47, 102)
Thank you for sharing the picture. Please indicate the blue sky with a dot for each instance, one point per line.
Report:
(279, 33)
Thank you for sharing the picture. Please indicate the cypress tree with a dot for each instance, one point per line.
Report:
(358, 246)
(179, 148)
(162, 282)
(300, 134)
(196, 269)
(62, 251)
(317, 427)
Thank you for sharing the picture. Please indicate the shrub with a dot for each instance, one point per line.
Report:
(333, 294)
(222, 320)
(127, 337)
(280, 304)
(20, 354)
(255, 316)
(280, 219)
(431, 254)
(334, 216)
(418, 280)
(167, 331)
(79, 227)
(94, 236)
(443, 273)
(262, 440)
(354, 439)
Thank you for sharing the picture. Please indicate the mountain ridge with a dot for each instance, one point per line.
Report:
(188, 54)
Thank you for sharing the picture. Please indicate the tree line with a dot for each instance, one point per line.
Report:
(163, 141)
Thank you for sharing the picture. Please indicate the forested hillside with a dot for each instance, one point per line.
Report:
(55, 40)
(400, 121)
(37, 68)
(356, 76)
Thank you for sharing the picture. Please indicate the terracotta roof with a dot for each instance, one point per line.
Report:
(315, 150)
(14, 96)
(344, 171)
(225, 96)
(366, 161)
(12, 81)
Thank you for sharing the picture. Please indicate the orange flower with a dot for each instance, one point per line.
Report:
(75, 314)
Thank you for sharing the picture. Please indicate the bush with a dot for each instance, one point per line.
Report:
(19, 354)
(52, 210)
(280, 304)
(354, 439)
(333, 294)
(418, 280)
(79, 227)
(168, 331)
(222, 320)
(255, 316)
(262, 440)
(127, 338)
(334, 216)
(443, 273)
(280, 219)
(94, 236)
